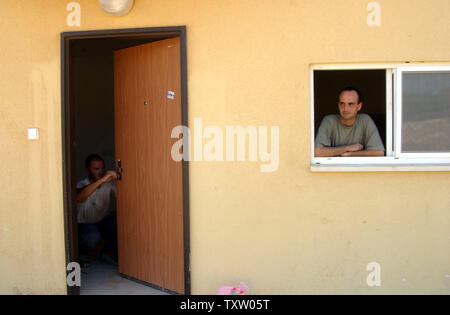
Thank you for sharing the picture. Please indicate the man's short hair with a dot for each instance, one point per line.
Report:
(349, 89)
(92, 157)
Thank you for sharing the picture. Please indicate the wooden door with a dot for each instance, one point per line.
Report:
(150, 193)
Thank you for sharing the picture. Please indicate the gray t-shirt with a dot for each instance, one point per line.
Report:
(332, 133)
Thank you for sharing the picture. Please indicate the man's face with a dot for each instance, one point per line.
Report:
(349, 105)
(96, 170)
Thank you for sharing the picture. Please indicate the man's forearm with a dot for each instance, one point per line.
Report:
(365, 153)
(86, 191)
(329, 151)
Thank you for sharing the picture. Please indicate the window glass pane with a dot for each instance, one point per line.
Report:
(426, 112)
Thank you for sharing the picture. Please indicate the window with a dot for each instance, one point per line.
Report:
(409, 105)
(423, 111)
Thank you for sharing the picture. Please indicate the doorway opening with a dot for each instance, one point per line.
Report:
(89, 125)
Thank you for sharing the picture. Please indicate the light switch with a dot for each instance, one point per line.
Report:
(33, 133)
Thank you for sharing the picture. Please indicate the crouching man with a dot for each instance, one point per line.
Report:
(97, 227)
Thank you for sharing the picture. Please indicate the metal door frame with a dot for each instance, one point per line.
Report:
(68, 132)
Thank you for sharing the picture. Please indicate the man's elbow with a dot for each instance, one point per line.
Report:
(318, 152)
(80, 197)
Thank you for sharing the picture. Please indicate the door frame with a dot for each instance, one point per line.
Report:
(68, 132)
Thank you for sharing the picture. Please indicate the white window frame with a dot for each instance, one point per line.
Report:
(394, 160)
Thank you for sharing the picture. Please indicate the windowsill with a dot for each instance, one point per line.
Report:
(379, 164)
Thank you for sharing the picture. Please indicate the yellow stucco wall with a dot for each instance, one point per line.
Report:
(287, 232)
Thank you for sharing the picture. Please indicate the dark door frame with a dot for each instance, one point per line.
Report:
(68, 132)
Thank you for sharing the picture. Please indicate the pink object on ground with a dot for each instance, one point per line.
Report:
(241, 289)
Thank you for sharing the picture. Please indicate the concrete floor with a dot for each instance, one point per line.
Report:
(104, 279)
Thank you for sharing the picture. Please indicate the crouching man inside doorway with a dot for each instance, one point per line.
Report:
(349, 133)
(97, 225)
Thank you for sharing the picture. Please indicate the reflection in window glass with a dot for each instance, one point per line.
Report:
(426, 112)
